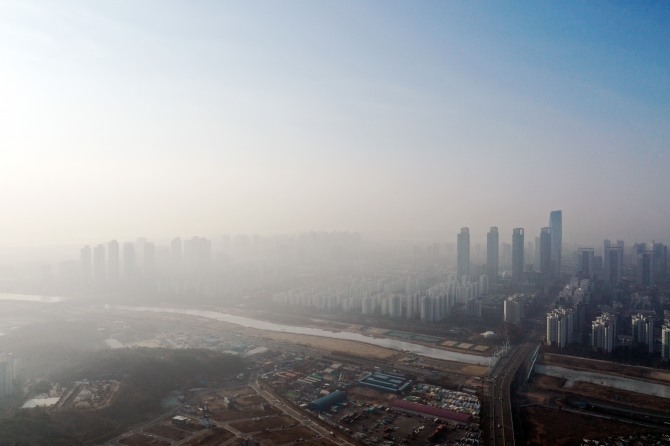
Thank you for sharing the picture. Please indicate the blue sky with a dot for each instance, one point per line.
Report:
(129, 118)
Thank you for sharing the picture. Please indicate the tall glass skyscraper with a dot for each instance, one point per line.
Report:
(463, 253)
(492, 243)
(556, 225)
(546, 251)
(517, 255)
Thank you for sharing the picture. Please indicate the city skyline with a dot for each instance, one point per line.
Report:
(127, 119)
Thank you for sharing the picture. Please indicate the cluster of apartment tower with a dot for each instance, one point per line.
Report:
(562, 326)
(430, 297)
(548, 252)
(143, 261)
(134, 261)
(648, 261)
(426, 296)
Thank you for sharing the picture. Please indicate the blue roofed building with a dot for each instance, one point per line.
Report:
(386, 382)
(326, 402)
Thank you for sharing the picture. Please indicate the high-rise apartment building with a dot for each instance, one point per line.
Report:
(197, 253)
(536, 254)
(546, 262)
(585, 263)
(556, 225)
(473, 307)
(517, 255)
(113, 262)
(643, 330)
(560, 325)
(513, 309)
(395, 306)
(603, 333)
(492, 243)
(176, 252)
(665, 341)
(613, 262)
(149, 260)
(644, 268)
(463, 254)
(660, 262)
(99, 264)
(506, 257)
(129, 262)
(426, 309)
(86, 262)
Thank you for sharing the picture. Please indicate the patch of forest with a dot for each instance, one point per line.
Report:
(146, 374)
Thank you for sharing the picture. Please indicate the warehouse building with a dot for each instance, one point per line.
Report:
(386, 382)
(431, 411)
(326, 402)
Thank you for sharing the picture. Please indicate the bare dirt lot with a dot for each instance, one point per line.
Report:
(621, 396)
(545, 426)
(287, 436)
(318, 442)
(602, 393)
(142, 440)
(548, 382)
(328, 344)
(261, 424)
(168, 431)
(213, 437)
(456, 368)
(236, 414)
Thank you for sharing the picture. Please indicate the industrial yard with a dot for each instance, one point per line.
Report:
(288, 398)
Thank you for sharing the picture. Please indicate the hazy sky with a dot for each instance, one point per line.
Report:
(127, 118)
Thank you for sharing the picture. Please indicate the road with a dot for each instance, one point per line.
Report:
(296, 414)
(500, 421)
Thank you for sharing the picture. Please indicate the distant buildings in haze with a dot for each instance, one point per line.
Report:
(556, 228)
(517, 255)
(463, 254)
(492, 256)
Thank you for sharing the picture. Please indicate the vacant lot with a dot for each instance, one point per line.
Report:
(602, 393)
(212, 437)
(621, 397)
(545, 426)
(548, 382)
(290, 435)
(271, 422)
(168, 431)
(142, 440)
(328, 344)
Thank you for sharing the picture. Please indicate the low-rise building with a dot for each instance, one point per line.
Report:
(386, 382)
(430, 411)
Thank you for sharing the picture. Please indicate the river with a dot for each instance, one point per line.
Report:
(603, 379)
(418, 349)
(31, 298)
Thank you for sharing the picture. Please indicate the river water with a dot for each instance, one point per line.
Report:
(421, 350)
(30, 298)
(602, 379)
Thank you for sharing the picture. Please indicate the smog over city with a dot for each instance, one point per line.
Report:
(334, 223)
